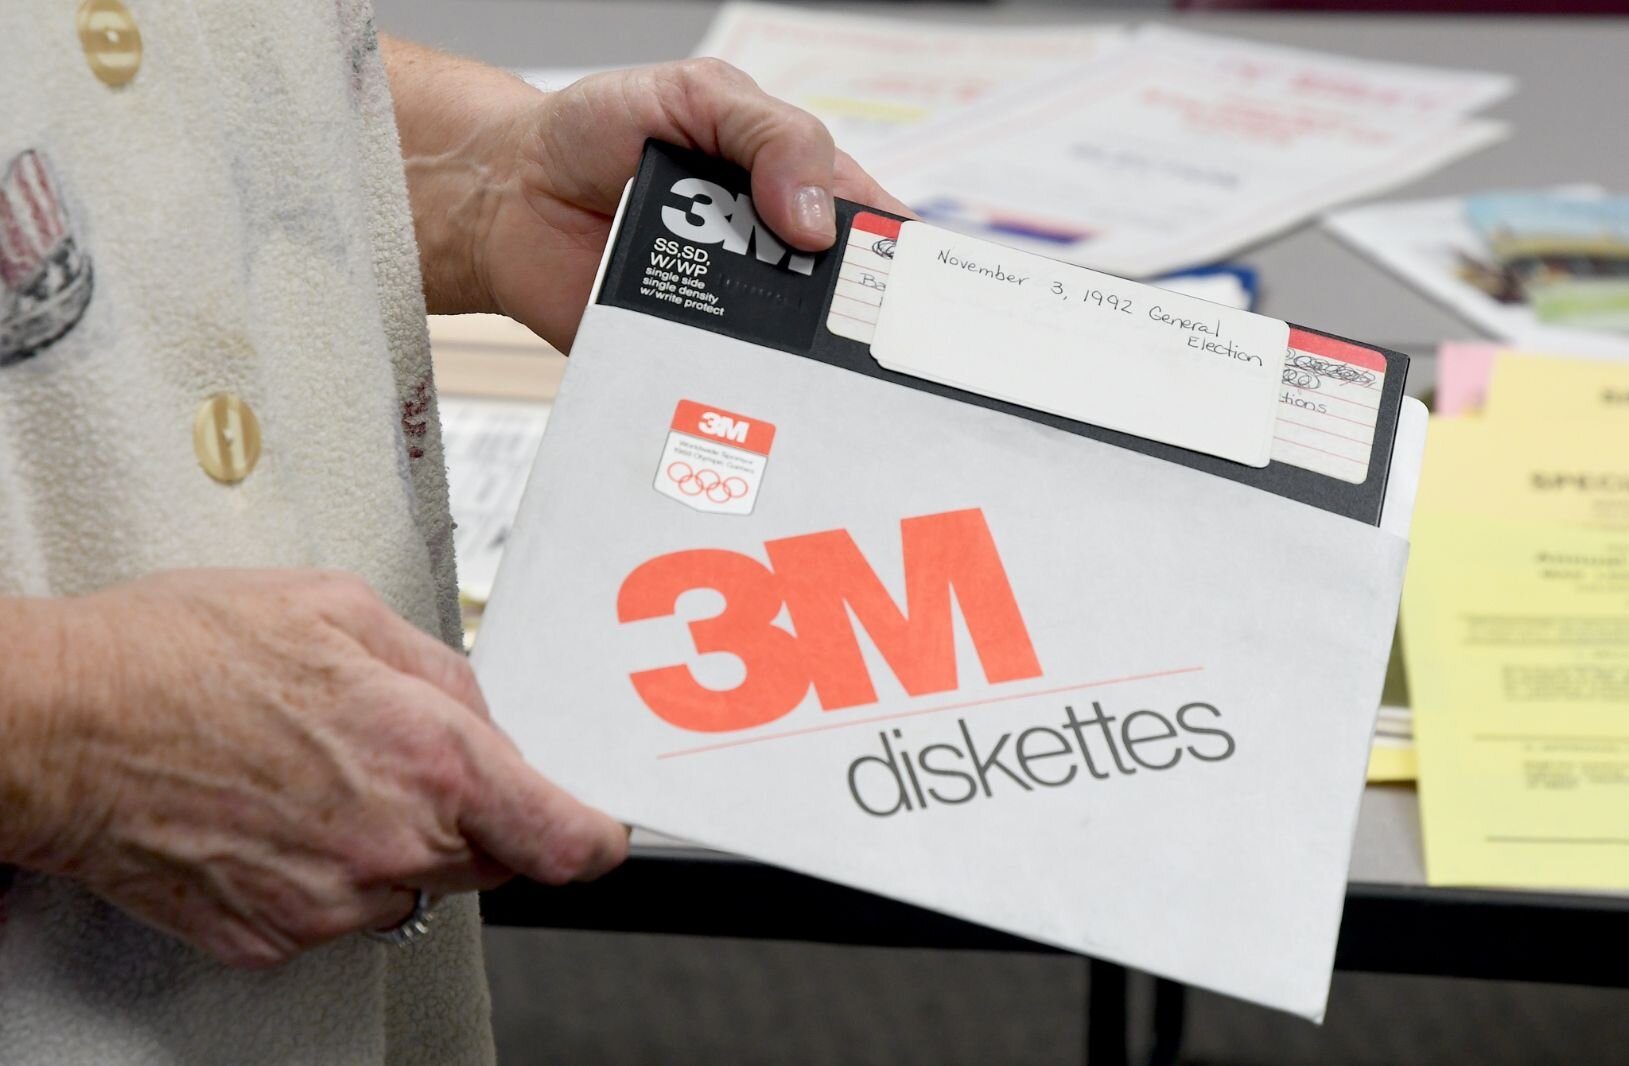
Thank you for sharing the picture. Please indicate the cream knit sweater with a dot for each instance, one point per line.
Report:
(237, 217)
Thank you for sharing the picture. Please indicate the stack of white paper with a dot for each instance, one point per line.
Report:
(873, 80)
(1137, 154)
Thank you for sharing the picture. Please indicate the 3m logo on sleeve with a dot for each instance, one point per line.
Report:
(714, 459)
(693, 250)
(827, 586)
(708, 213)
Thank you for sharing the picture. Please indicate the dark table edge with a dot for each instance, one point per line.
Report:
(1387, 928)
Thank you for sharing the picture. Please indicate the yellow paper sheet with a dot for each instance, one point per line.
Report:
(1532, 386)
(1570, 471)
(1390, 763)
(1552, 442)
(1517, 640)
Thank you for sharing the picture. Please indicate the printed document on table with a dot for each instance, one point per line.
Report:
(1517, 638)
(1431, 245)
(1530, 385)
(489, 445)
(1571, 472)
(1181, 148)
(1508, 388)
(872, 80)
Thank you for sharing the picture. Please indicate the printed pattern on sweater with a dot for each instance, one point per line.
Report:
(46, 278)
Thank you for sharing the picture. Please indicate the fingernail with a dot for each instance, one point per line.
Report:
(814, 211)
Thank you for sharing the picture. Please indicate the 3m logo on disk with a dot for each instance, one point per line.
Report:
(714, 460)
(711, 214)
(827, 587)
(716, 425)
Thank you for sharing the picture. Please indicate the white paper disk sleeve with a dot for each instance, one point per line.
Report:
(1012, 674)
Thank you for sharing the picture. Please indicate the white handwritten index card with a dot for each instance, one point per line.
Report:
(1084, 345)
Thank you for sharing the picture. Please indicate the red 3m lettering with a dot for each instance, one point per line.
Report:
(819, 578)
(822, 572)
(775, 681)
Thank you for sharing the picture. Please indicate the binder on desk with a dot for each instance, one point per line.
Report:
(823, 563)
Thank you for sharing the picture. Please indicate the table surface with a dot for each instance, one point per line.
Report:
(1566, 127)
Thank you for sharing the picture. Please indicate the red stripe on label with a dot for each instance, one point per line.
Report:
(18, 256)
(877, 225)
(1345, 351)
(726, 427)
(36, 185)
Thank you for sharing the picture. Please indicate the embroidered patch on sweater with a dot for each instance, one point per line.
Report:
(45, 277)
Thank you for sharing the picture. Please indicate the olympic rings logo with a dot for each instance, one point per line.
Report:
(706, 482)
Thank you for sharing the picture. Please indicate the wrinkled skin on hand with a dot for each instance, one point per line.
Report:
(261, 761)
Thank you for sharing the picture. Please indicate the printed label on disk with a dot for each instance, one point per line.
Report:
(714, 460)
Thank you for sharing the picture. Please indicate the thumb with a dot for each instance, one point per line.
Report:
(531, 825)
(788, 151)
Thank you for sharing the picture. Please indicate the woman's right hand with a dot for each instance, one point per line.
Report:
(261, 761)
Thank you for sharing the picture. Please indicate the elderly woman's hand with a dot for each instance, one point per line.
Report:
(260, 761)
(513, 190)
